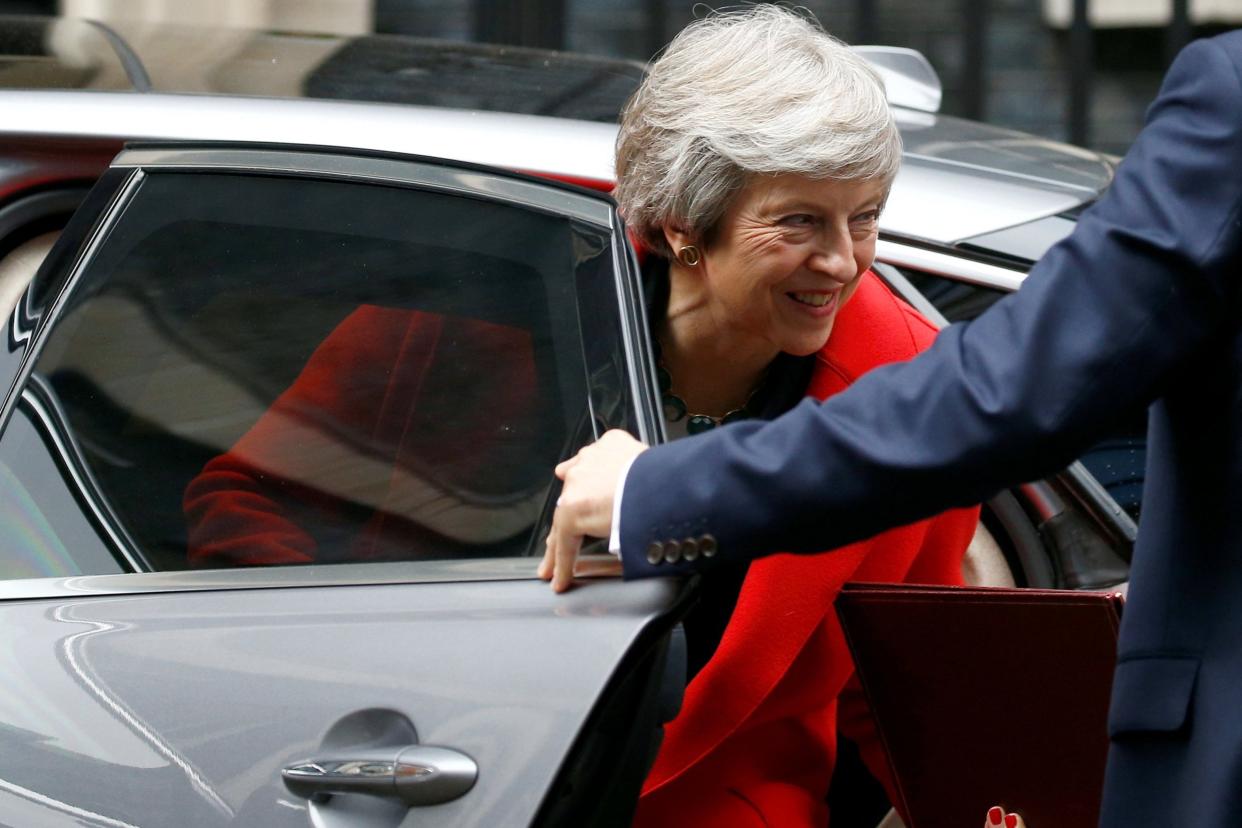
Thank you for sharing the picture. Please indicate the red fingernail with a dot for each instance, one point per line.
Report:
(1011, 821)
(994, 816)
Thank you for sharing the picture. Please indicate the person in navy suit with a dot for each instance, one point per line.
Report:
(1140, 306)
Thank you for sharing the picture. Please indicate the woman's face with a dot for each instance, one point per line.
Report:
(787, 255)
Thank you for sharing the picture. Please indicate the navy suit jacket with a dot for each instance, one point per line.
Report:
(1138, 307)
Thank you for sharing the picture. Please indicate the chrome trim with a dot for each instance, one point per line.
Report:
(54, 422)
(909, 78)
(107, 218)
(633, 316)
(594, 211)
(289, 577)
(417, 775)
(948, 264)
(21, 326)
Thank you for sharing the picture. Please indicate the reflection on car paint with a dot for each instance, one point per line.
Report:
(74, 649)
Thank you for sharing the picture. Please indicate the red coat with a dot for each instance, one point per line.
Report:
(755, 741)
(364, 457)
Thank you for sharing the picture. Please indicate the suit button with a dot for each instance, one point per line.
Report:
(672, 551)
(655, 553)
(690, 549)
(707, 545)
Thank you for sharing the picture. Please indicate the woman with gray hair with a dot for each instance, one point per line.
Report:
(752, 164)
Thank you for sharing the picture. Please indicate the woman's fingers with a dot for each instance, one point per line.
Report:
(998, 818)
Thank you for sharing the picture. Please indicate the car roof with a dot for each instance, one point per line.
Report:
(533, 110)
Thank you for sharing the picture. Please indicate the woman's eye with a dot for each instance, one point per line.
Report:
(867, 218)
(798, 220)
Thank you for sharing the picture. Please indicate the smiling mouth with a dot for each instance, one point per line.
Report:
(814, 300)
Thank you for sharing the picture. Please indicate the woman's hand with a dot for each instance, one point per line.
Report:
(584, 508)
(998, 818)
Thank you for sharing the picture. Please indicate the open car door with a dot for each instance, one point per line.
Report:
(276, 461)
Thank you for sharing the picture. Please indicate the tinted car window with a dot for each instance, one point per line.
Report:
(269, 370)
(45, 534)
(958, 301)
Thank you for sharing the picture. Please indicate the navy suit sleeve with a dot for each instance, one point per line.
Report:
(1099, 328)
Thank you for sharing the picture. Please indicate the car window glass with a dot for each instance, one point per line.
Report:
(261, 370)
(45, 534)
(1118, 461)
(958, 301)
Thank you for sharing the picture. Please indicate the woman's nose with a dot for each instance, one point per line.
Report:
(836, 260)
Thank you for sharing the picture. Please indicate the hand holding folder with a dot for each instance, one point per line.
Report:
(984, 696)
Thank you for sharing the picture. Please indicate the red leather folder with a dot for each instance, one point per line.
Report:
(987, 696)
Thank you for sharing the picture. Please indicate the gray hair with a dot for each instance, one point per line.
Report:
(758, 91)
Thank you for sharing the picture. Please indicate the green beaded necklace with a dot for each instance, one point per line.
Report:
(675, 409)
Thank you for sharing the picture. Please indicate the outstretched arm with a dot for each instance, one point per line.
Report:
(1100, 327)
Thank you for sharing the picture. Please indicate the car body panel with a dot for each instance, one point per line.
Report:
(946, 203)
(134, 707)
(531, 143)
(1018, 155)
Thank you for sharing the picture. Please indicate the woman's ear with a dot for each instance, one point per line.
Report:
(676, 237)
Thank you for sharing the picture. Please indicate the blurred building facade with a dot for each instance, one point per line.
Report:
(1076, 70)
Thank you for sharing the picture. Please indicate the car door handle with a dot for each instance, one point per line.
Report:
(417, 775)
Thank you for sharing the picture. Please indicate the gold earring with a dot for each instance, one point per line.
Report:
(688, 255)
